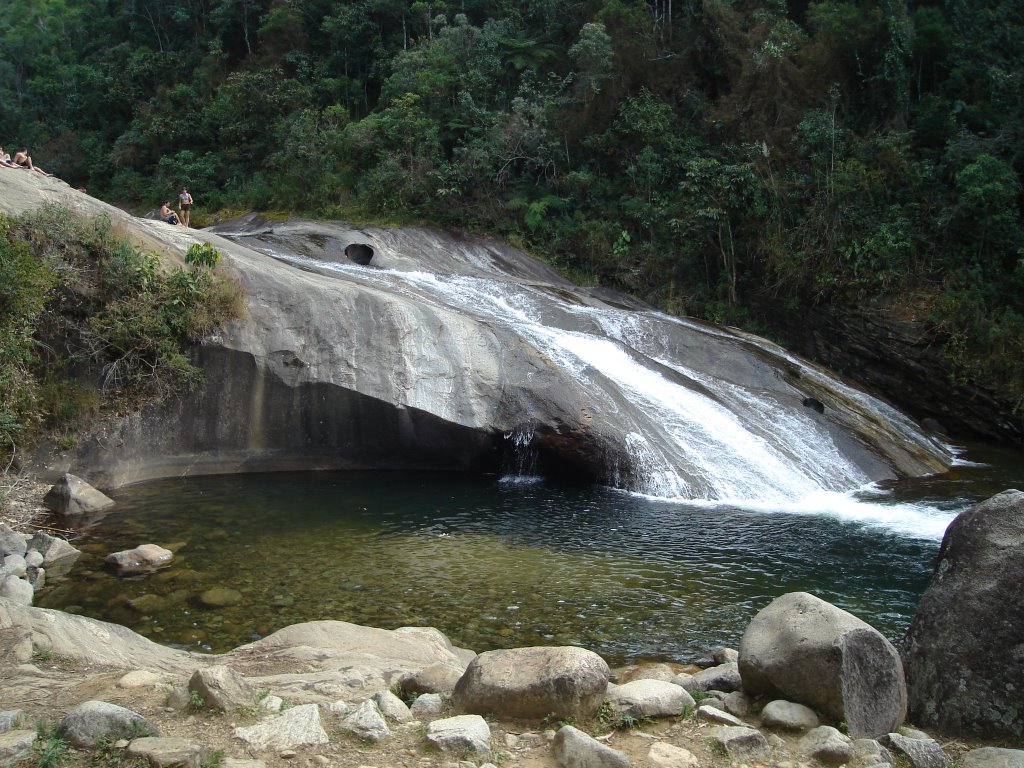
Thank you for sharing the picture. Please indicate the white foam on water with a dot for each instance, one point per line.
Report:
(915, 521)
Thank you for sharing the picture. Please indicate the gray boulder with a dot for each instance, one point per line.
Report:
(739, 703)
(788, 716)
(870, 752)
(90, 722)
(463, 733)
(962, 653)
(11, 542)
(58, 555)
(427, 705)
(802, 649)
(740, 743)
(222, 688)
(436, 678)
(367, 722)
(575, 749)
(724, 677)
(392, 707)
(15, 745)
(71, 495)
(162, 752)
(16, 590)
(713, 714)
(649, 698)
(922, 753)
(993, 757)
(15, 565)
(145, 557)
(296, 727)
(565, 682)
(828, 745)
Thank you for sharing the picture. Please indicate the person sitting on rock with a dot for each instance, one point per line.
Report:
(21, 157)
(167, 214)
(5, 159)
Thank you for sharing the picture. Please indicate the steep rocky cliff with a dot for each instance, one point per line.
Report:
(898, 356)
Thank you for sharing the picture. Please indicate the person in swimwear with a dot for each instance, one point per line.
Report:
(185, 205)
(5, 159)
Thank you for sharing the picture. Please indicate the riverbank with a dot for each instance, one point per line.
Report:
(51, 663)
(22, 502)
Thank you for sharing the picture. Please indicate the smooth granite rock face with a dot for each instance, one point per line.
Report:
(413, 361)
(963, 652)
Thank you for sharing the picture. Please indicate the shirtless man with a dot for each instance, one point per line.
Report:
(167, 214)
(22, 158)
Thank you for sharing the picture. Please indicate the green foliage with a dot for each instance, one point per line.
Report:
(125, 322)
(196, 701)
(202, 255)
(50, 749)
(713, 157)
(608, 717)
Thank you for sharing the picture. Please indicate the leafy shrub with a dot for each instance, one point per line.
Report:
(85, 316)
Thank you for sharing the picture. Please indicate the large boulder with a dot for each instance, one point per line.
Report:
(445, 371)
(566, 682)
(641, 699)
(963, 654)
(92, 721)
(803, 649)
(72, 496)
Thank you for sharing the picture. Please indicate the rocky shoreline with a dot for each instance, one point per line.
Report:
(809, 685)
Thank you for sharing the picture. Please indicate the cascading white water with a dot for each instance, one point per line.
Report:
(695, 437)
(523, 454)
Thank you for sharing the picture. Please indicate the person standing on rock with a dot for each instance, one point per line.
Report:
(185, 206)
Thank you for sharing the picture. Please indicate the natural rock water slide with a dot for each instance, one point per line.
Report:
(412, 348)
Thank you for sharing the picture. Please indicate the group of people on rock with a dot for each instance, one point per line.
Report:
(184, 208)
(21, 159)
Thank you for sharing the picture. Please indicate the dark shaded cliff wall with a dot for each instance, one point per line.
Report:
(251, 419)
(901, 362)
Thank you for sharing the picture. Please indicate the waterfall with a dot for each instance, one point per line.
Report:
(706, 413)
(521, 457)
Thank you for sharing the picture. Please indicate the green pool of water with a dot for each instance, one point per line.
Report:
(500, 564)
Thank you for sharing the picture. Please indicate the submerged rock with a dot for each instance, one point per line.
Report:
(145, 557)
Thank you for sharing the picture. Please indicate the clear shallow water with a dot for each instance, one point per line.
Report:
(499, 563)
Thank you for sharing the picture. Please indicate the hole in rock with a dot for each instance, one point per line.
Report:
(360, 253)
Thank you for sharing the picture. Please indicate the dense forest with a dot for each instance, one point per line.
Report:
(730, 159)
